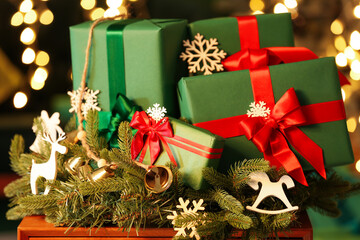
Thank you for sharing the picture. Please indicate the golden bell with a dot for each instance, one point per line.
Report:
(103, 172)
(84, 172)
(72, 164)
(158, 179)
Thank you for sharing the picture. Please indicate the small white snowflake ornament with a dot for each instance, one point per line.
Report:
(50, 126)
(258, 110)
(197, 206)
(203, 55)
(156, 112)
(89, 101)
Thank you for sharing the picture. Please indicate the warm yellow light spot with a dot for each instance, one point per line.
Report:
(337, 27)
(290, 3)
(40, 74)
(355, 40)
(354, 76)
(27, 36)
(343, 94)
(97, 13)
(357, 165)
(340, 43)
(114, 3)
(28, 56)
(46, 17)
(20, 99)
(17, 19)
(355, 66)
(30, 17)
(36, 85)
(357, 11)
(26, 6)
(280, 8)
(258, 12)
(87, 4)
(42, 58)
(256, 5)
(111, 12)
(349, 53)
(341, 60)
(351, 124)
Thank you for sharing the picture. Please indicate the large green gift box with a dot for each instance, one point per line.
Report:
(193, 149)
(273, 30)
(137, 58)
(205, 99)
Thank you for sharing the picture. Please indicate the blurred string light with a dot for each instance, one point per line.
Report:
(351, 124)
(341, 60)
(357, 11)
(355, 40)
(256, 5)
(291, 4)
(20, 100)
(337, 27)
(340, 43)
(280, 8)
(31, 14)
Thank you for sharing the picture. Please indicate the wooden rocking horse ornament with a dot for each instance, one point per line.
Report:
(268, 189)
(48, 170)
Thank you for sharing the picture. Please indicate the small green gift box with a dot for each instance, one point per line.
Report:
(188, 147)
(204, 100)
(137, 58)
(257, 31)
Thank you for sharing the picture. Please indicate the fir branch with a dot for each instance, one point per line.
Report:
(17, 213)
(227, 201)
(216, 179)
(125, 139)
(17, 147)
(37, 201)
(240, 171)
(125, 164)
(92, 131)
(239, 221)
(283, 220)
(71, 124)
(17, 187)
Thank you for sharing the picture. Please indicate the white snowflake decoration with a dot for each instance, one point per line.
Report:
(184, 206)
(258, 110)
(156, 112)
(89, 101)
(50, 126)
(203, 55)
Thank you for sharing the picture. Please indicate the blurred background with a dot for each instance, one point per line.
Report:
(35, 68)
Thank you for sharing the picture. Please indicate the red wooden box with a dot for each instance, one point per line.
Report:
(35, 228)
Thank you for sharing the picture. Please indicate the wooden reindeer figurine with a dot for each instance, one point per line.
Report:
(268, 189)
(48, 170)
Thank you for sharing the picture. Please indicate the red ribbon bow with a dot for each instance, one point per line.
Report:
(154, 133)
(270, 135)
(252, 56)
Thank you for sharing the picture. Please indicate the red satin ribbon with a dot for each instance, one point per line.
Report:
(162, 132)
(252, 56)
(272, 135)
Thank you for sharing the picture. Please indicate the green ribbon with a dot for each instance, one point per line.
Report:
(109, 122)
(115, 53)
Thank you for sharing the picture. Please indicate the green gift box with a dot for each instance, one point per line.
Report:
(273, 30)
(226, 95)
(137, 58)
(193, 149)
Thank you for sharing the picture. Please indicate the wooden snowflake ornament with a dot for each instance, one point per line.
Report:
(89, 101)
(203, 55)
(184, 206)
(156, 112)
(268, 189)
(258, 110)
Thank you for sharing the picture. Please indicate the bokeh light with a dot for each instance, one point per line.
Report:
(30, 17)
(88, 4)
(42, 58)
(280, 8)
(20, 100)
(17, 19)
(340, 43)
(337, 27)
(97, 13)
(351, 124)
(28, 56)
(349, 53)
(357, 11)
(341, 60)
(355, 40)
(111, 12)
(355, 66)
(354, 76)
(114, 3)
(27, 36)
(46, 17)
(256, 5)
(26, 6)
(290, 3)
